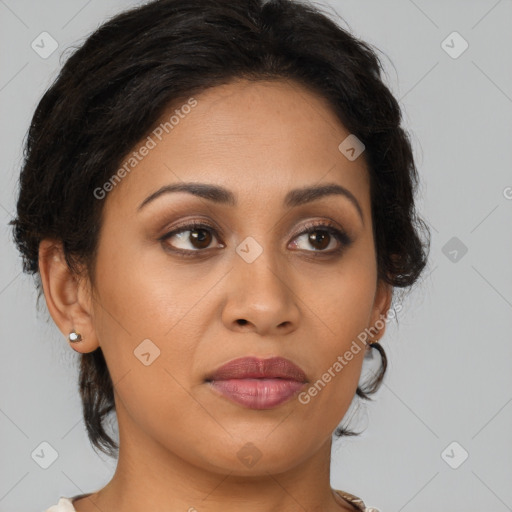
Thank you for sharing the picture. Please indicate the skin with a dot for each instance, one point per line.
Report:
(178, 439)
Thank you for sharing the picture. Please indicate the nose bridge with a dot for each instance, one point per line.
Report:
(258, 264)
(261, 292)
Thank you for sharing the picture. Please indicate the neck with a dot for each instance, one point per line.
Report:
(149, 476)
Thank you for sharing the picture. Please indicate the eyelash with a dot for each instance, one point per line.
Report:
(342, 237)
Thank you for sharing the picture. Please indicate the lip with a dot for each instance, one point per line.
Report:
(258, 383)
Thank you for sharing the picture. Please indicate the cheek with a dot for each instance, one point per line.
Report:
(344, 294)
(142, 295)
(343, 306)
(145, 293)
(141, 322)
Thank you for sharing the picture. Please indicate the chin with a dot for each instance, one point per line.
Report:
(256, 455)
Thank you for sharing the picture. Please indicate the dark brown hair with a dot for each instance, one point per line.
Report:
(114, 88)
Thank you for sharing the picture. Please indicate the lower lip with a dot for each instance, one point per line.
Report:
(258, 393)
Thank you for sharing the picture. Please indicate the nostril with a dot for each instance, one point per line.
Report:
(241, 321)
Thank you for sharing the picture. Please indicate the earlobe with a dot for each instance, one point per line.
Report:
(62, 292)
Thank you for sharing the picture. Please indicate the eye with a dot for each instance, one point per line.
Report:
(190, 238)
(196, 237)
(322, 236)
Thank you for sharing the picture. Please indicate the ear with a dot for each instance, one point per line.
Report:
(67, 296)
(381, 305)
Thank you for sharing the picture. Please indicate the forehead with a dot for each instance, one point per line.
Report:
(256, 138)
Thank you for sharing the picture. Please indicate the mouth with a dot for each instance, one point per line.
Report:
(258, 383)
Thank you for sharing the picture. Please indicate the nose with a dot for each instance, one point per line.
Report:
(261, 298)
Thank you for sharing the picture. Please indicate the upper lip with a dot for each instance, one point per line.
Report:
(256, 368)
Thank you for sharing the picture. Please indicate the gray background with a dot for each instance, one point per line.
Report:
(450, 357)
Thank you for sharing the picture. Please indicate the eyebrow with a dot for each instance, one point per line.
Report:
(221, 195)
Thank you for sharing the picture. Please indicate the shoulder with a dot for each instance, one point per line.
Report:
(357, 502)
(63, 505)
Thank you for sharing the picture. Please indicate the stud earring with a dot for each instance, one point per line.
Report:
(74, 336)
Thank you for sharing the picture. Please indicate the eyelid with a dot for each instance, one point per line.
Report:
(190, 226)
(342, 237)
(185, 225)
(325, 225)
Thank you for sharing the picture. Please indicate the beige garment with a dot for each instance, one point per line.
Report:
(357, 502)
(66, 504)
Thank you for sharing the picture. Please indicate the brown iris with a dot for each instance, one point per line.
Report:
(201, 237)
(319, 237)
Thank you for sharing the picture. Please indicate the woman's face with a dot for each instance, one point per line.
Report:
(173, 303)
